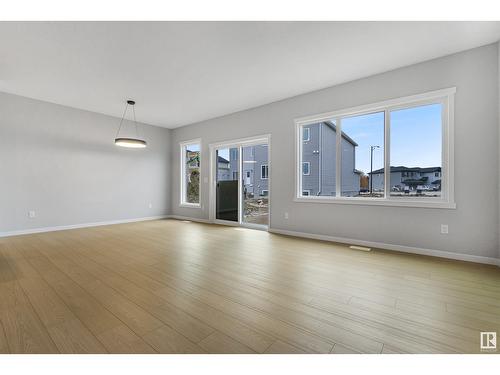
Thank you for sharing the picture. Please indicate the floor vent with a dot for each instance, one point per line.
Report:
(360, 248)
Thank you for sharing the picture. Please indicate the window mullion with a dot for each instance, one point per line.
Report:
(387, 154)
(183, 173)
(338, 156)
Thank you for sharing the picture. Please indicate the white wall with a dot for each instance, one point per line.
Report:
(62, 163)
(473, 226)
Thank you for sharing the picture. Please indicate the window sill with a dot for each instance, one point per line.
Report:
(378, 202)
(190, 205)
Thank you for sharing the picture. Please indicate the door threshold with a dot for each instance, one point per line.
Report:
(244, 225)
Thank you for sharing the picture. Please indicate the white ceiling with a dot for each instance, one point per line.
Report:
(184, 72)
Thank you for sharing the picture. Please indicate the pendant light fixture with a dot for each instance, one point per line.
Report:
(128, 141)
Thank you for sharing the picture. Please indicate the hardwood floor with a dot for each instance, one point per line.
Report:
(170, 286)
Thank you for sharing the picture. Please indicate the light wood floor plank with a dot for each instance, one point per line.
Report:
(219, 343)
(169, 286)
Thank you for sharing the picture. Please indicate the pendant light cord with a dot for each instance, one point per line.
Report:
(121, 122)
(135, 122)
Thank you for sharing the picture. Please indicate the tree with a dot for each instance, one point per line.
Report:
(193, 188)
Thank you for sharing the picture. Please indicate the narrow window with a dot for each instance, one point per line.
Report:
(306, 166)
(305, 134)
(190, 173)
(264, 172)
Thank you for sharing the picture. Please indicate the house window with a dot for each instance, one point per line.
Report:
(264, 172)
(190, 156)
(306, 134)
(234, 154)
(306, 168)
(384, 154)
(306, 193)
(264, 193)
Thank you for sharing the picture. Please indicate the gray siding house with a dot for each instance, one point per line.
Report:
(318, 161)
(255, 169)
(409, 179)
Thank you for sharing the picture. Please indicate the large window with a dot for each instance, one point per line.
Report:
(190, 173)
(397, 152)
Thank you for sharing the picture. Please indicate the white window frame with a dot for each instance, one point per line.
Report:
(308, 168)
(308, 135)
(445, 97)
(267, 172)
(182, 156)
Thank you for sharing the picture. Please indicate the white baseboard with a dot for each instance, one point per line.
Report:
(76, 226)
(322, 237)
(404, 249)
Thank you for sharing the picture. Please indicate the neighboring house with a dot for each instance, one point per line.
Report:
(223, 169)
(409, 178)
(255, 169)
(318, 161)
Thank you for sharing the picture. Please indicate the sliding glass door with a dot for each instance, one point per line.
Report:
(255, 192)
(227, 177)
(241, 183)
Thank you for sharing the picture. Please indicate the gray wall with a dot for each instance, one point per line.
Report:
(62, 163)
(473, 226)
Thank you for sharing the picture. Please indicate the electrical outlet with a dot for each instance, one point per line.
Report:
(31, 214)
(286, 215)
(444, 228)
(150, 205)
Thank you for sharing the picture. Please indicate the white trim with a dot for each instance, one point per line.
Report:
(338, 156)
(241, 142)
(395, 202)
(445, 97)
(190, 205)
(384, 246)
(182, 172)
(377, 107)
(77, 226)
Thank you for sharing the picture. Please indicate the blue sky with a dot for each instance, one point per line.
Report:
(224, 152)
(193, 147)
(415, 137)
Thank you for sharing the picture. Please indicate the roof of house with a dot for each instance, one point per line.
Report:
(220, 159)
(409, 169)
(332, 125)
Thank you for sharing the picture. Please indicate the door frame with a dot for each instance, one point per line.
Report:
(238, 143)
